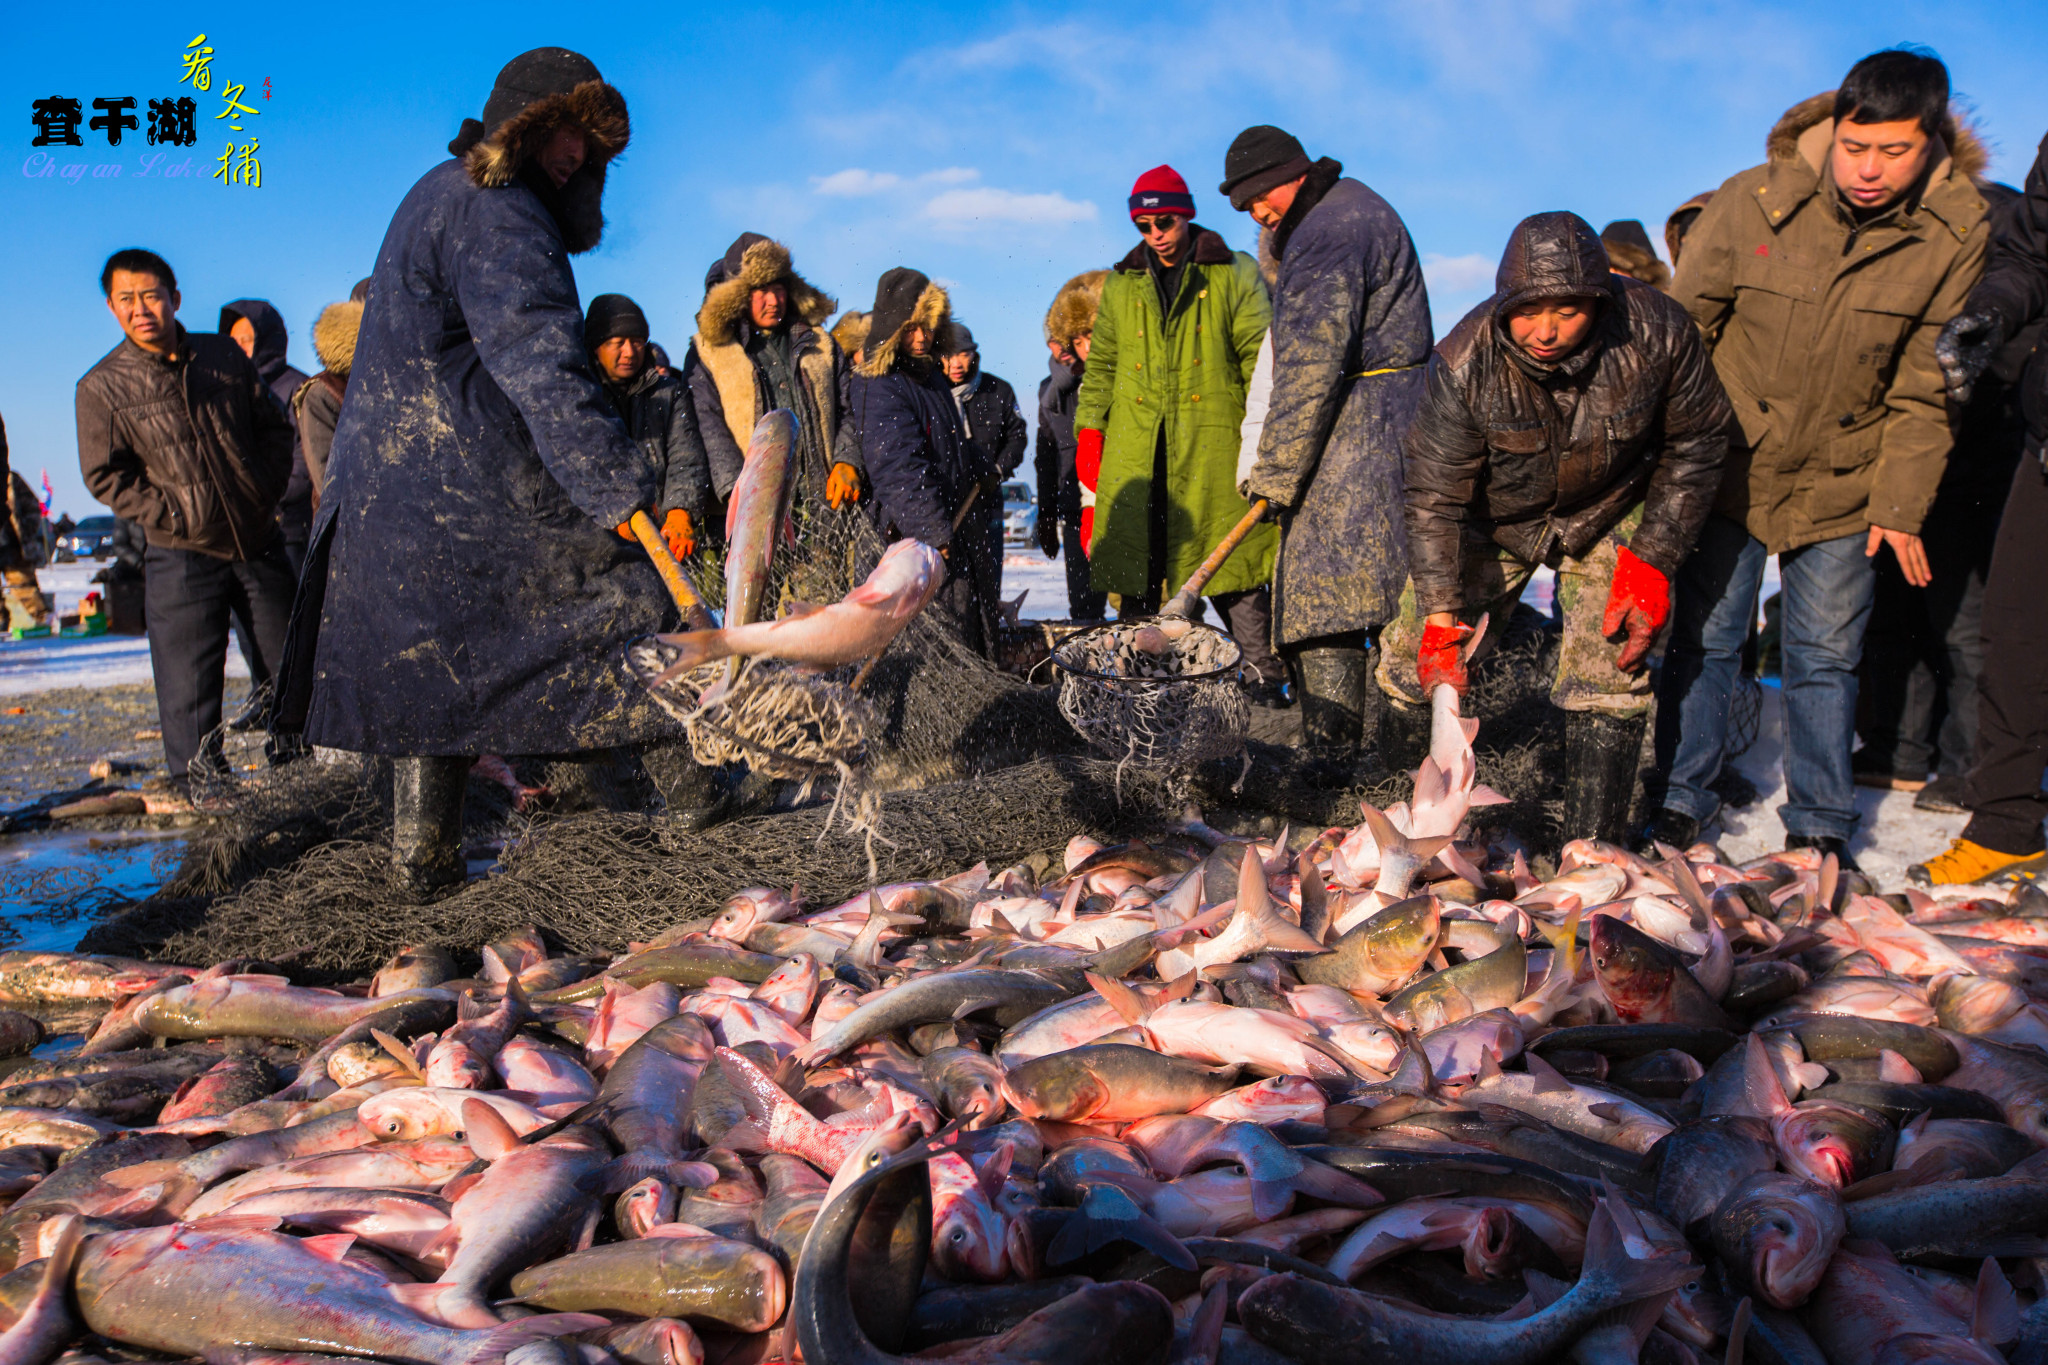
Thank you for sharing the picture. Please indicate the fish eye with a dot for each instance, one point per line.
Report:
(959, 1234)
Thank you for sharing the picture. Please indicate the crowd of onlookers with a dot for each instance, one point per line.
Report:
(1834, 369)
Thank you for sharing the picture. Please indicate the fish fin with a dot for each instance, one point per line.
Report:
(468, 1007)
(401, 1053)
(144, 1173)
(1205, 1332)
(1609, 1110)
(1884, 1182)
(460, 1185)
(747, 1136)
(1109, 1215)
(995, 1171)
(632, 1168)
(329, 1246)
(1549, 1080)
(1271, 1198)
(1738, 1332)
(1315, 896)
(1543, 1289)
(678, 1231)
(1995, 1316)
(1130, 1005)
(1413, 1076)
(1896, 1069)
(1333, 1186)
(1483, 795)
(1180, 988)
(1809, 1075)
(1489, 1069)
(489, 1136)
(449, 1304)
(1762, 1092)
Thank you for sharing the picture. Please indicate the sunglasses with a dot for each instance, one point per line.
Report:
(1161, 222)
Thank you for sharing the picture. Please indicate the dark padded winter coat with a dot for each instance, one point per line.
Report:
(1544, 458)
(195, 449)
(1350, 333)
(658, 414)
(918, 458)
(993, 422)
(1052, 459)
(477, 596)
(2015, 288)
(295, 508)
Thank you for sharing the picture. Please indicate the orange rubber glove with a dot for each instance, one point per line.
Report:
(1638, 602)
(1441, 658)
(680, 535)
(675, 529)
(842, 485)
(1087, 470)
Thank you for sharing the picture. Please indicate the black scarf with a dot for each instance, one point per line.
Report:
(1317, 183)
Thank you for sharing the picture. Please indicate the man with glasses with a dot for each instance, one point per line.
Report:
(1175, 340)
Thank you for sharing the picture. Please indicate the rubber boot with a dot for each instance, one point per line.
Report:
(426, 824)
(1404, 735)
(1602, 755)
(697, 797)
(1333, 684)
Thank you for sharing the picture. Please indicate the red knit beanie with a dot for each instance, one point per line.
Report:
(1161, 190)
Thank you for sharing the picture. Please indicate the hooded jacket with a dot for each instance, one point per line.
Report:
(196, 450)
(295, 508)
(468, 587)
(1545, 458)
(1177, 375)
(1823, 329)
(729, 392)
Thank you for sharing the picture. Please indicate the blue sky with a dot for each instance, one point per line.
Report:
(991, 146)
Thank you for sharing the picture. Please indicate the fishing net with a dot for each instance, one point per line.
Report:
(1157, 694)
(962, 763)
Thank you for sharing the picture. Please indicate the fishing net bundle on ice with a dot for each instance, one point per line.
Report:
(962, 763)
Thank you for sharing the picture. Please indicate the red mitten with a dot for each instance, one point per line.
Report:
(1087, 469)
(1441, 658)
(1639, 603)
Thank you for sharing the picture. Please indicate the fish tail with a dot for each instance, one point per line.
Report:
(1273, 930)
(1333, 1186)
(1615, 1275)
(492, 1347)
(693, 647)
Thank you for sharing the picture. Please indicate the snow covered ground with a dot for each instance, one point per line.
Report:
(102, 661)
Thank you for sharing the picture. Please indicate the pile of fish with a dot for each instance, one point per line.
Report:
(1374, 1094)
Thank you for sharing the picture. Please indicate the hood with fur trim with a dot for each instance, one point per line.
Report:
(1074, 307)
(507, 152)
(765, 262)
(334, 336)
(932, 311)
(851, 331)
(1804, 131)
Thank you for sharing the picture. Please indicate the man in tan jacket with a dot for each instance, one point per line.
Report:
(1821, 280)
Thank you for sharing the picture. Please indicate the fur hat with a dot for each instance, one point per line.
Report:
(334, 336)
(756, 265)
(1073, 309)
(904, 298)
(851, 331)
(536, 93)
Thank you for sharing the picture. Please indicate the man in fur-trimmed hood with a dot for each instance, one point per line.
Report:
(316, 407)
(467, 590)
(915, 450)
(1821, 280)
(1069, 335)
(761, 345)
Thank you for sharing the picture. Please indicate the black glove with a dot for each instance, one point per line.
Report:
(1964, 348)
(1048, 534)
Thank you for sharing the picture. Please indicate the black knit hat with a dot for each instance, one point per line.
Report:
(896, 295)
(1260, 158)
(613, 315)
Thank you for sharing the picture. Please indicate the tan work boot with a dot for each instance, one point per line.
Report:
(26, 605)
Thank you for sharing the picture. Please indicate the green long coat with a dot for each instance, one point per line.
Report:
(1191, 375)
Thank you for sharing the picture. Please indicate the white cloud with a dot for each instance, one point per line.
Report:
(1458, 274)
(959, 208)
(855, 182)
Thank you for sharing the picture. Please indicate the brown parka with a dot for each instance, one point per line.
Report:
(1823, 331)
(195, 449)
